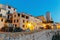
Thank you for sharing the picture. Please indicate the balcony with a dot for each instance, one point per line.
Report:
(8, 21)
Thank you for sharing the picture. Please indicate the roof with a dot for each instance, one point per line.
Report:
(29, 15)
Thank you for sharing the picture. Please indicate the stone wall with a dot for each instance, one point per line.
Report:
(42, 35)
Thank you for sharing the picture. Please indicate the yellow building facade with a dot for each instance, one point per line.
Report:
(2, 22)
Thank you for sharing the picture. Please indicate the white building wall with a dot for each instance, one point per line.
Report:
(5, 7)
(3, 12)
(11, 10)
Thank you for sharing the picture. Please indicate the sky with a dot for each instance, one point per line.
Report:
(36, 7)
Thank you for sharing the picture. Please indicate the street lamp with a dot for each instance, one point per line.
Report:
(29, 26)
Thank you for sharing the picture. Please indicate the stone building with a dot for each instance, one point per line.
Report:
(25, 18)
(14, 19)
(2, 22)
(42, 18)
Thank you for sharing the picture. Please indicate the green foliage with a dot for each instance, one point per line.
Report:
(56, 37)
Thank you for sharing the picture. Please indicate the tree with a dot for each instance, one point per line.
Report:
(56, 37)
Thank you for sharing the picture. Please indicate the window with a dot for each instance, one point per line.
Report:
(6, 21)
(14, 9)
(14, 15)
(14, 21)
(23, 16)
(0, 10)
(18, 14)
(8, 12)
(15, 25)
(17, 21)
(1, 19)
(23, 21)
(9, 7)
(23, 26)
(27, 21)
(11, 21)
(8, 16)
(27, 17)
